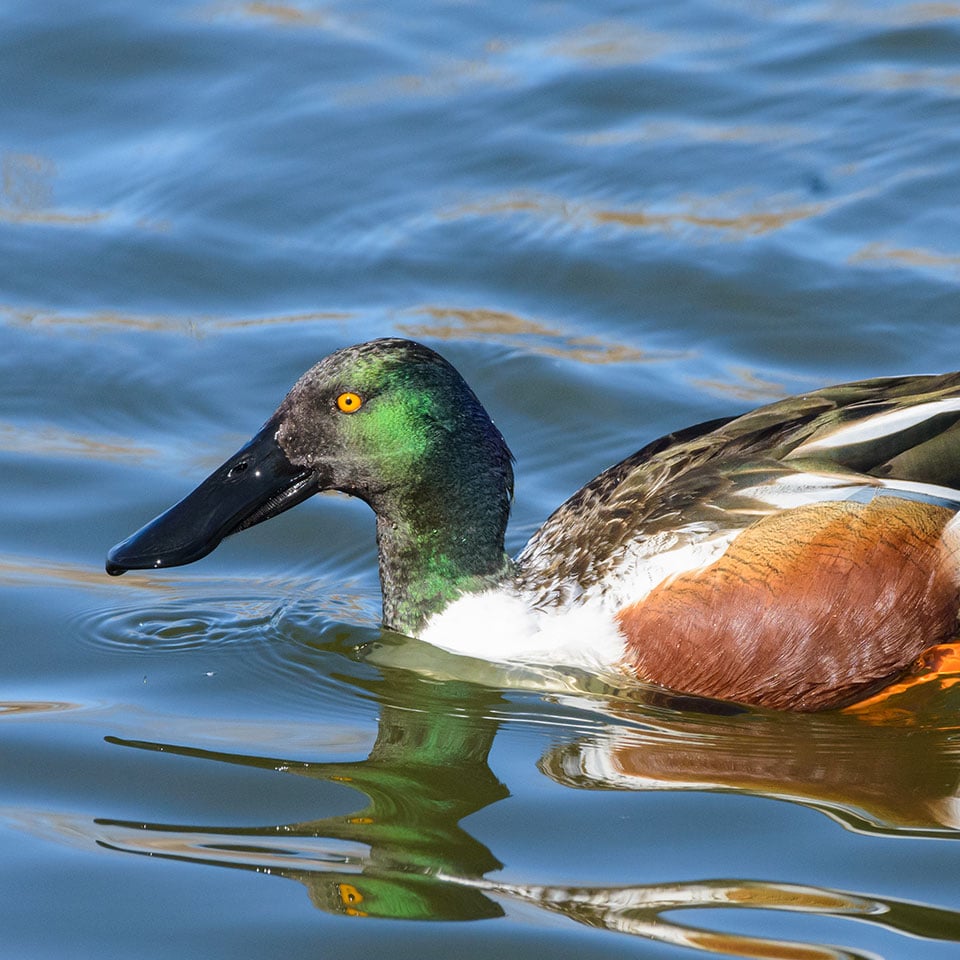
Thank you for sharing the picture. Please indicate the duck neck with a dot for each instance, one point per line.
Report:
(437, 544)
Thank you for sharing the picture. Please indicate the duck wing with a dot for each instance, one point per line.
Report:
(696, 489)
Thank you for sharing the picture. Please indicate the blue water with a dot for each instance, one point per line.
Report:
(616, 220)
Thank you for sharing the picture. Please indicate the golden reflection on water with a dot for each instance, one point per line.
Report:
(26, 193)
(282, 14)
(52, 441)
(26, 180)
(907, 256)
(16, 570)
(23, 708)
(746, 385)
(56, 218)
(455, 323)
(869, 14)
(440, 322)
(700, 213)
(924, 12)
(749, 223)
(612, 44)
(503, 62)
(287, 15)
(447, 77)
(887, 78)
(196, 327)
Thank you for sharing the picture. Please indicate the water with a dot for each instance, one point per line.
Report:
(616, 220)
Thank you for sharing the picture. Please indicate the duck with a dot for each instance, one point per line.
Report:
(797, 557)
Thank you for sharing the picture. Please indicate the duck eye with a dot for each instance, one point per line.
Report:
(349, 402)
(350, 895)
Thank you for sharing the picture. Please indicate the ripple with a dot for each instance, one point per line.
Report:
(167, 613)
(182, 623)
(286, 655)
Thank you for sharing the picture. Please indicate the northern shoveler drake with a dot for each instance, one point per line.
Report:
(798, 557)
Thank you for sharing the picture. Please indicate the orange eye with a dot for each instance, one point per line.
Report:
(349, 402)
(349, 894)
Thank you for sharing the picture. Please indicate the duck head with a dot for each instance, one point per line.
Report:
(390, 422)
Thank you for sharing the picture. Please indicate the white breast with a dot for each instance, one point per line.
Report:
(499, 625)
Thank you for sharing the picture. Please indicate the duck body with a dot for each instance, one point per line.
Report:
(797, 557)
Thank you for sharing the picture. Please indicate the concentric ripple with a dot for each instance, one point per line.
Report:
(285, 651)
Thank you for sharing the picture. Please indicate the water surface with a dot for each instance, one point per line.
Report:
(616, 220)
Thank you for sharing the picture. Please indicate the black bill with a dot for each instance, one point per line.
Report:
(257, 483)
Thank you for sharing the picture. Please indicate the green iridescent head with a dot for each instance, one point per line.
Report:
(387, 415)
(388, 421)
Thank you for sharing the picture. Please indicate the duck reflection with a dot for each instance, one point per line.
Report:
(888, 765)
(426, 772)
(405, 855)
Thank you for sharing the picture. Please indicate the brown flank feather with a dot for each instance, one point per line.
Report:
(807, 609)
